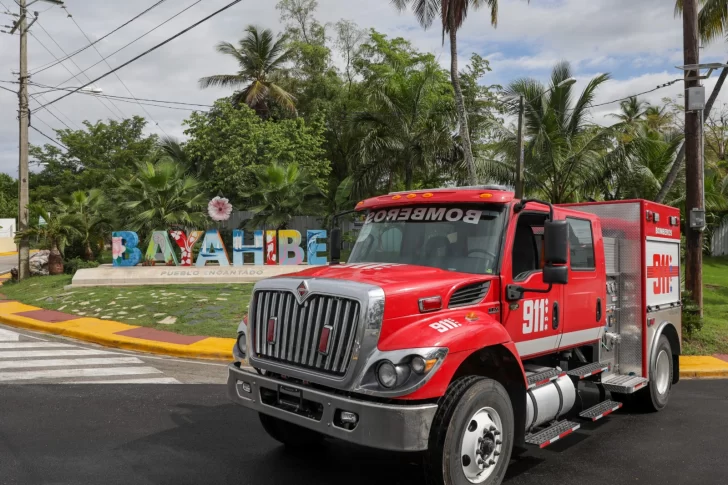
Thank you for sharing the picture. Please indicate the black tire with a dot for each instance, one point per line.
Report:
(291, 435)
(650, 399)
(464, 397)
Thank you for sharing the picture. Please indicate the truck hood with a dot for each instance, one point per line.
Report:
(403, 284)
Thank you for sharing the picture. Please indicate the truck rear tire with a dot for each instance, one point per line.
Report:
(655, 396)
(291, 435)
(471, 438)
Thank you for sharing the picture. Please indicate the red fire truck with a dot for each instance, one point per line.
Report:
(463, 325)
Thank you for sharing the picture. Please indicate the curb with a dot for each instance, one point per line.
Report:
(107, 333)
(110, 334)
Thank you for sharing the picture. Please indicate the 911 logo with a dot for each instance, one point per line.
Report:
(662, 270)
(535, 317)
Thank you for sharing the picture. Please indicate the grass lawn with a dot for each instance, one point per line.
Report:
(210, 310)
(713, 338)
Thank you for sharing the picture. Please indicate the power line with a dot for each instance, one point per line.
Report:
(122, 97)
(78, 51)
(49, 111)
(234, 2)
(51, 139)
(116, 74)
(66, 68)
(133, 41)
(669, 83)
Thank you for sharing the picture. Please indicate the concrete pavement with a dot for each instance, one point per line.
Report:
(156, 434)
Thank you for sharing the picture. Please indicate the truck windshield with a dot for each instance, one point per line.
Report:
(463, 238)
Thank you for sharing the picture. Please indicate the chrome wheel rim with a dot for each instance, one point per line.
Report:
(482, 444)
(662, 372)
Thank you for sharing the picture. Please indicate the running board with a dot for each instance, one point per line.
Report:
(536, 380)
(552, 434)
(600, 410)
(588, 370)
(624, 384)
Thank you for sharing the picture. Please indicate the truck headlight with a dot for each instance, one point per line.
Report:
(240, 347)
(401, 371)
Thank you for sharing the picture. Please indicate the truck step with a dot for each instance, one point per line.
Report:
(624, 384)
(536, 380)
(552, 434)
(588, 370)
(600, 410)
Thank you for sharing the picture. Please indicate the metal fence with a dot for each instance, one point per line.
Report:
(719, 245)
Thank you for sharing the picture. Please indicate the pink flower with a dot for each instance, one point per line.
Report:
(117, 248)
(219, 209)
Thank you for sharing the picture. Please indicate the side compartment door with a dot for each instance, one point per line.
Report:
(585, 294)
(534, 321)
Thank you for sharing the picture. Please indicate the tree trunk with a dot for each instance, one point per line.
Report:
(676, 167)
(88, 253)
(459, 102)
(55, 261)
(408, 169)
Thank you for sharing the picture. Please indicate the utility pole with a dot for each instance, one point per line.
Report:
(22, 26)
(519, 164)
(694, 169)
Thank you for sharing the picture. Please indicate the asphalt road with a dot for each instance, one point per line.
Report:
(190, 434)
(7, 263)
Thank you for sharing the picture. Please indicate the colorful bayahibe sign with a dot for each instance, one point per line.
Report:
(266, 248)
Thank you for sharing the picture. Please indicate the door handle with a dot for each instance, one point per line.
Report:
(555, 316)
(599, 309)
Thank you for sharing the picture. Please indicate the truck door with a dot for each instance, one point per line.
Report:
(534, 321)
(584, 295)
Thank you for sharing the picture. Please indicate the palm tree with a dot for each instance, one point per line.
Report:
(59, 227)
(453, 13)
(407, 126)
(92, 222)
(564, 152)
(281, 193)
(161, 195)
(261, 60)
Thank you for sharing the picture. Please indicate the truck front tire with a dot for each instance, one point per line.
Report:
(291, 435)
(471, 438)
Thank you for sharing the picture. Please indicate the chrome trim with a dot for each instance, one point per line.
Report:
(383, 426)
(361, 347)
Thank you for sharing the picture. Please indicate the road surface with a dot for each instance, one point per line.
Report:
(7, 263)
(163, 433)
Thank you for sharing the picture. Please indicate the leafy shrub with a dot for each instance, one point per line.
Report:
(73, 265)
(691, 320)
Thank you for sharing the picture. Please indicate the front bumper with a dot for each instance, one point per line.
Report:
(384, 426)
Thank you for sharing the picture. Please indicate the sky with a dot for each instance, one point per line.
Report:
(638, 42)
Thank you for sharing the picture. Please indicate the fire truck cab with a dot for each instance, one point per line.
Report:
(463, 324)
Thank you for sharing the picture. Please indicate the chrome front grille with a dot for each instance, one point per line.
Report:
(317, 334)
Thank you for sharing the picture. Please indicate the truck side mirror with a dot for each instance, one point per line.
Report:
(555, 275)
(335, 249)
(556, 243)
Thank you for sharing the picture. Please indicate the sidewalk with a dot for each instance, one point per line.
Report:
(114, 334)
(131, 337)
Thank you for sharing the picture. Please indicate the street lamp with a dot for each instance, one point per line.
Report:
(88, 89)
(521, 107)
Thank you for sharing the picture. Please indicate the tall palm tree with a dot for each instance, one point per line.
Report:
(452, 14)
(281, 193)
(92, 222)
(261, 59)
(162, 195)
(59, 227)
(564, 152)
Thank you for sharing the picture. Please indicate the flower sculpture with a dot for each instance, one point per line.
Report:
(117, 248)
(219, 209)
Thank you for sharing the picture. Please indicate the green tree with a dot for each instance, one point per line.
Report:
(8, 197)
(92, 218)
(96, 157)
(160, 195)
(55, 234)
(452, 14)
(407, 124)
(281, 193)
(232, 145)
(564, 151)
(261, 59)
